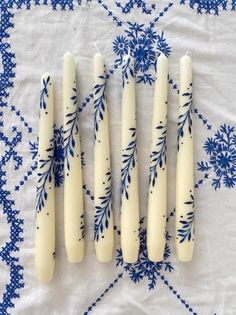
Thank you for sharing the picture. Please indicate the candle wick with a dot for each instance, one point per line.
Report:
(188, 54)
(95, 44)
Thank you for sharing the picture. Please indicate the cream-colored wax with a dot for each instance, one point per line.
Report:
(103, 221)
(45, 200)
(129, 167)
(73, 190)
(157, 197)
(184, 176)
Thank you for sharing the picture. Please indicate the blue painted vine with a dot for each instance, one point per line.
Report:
(103, 210)
(99, 103)
(158, 156)
(127, 69)
(82, 227)
(45, 175)
(187, 230)
(128, 161)
(185, 120)
(44, 93)
(71, 129)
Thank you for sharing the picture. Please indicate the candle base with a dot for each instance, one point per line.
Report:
(44, 274)
(75, 254)
(155, 254)
(104, 257)
(185, 253)
(130, 255)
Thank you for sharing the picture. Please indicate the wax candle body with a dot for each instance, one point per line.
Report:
(184, 175)
(45, 198)
(129, 167)
(157, 198)
(73, 190)
(103, 223)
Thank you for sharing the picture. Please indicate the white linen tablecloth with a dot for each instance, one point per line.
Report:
(34, 37)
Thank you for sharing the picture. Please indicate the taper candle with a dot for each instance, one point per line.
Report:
(103, 219)
(184, 176)
(157, 197)
(129, 167)
(45, 196)
(73, 188)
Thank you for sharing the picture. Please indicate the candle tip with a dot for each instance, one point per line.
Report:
(68, 53)
(162, 55)
(188, 53)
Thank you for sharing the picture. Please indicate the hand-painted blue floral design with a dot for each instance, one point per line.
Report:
(221, 149)
(103, 210)
(128, 162)
(209, 6)
(82, 227)
(158, 156)
(130, 4)
(144, 44)
(99, 103)
(45, 175)
(144, 268)
(74, 97)
(185, 120)
(58, 163)
(186, 233)
(71, 129)
(127, 70)
(44, 93)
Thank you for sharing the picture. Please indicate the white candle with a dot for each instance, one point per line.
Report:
(184, 176)
(129, 167)
(157, 198)
(103, 223)
(45, 200)
(73, 190)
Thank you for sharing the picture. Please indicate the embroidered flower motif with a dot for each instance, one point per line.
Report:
(221, 149)
(144, 268)
(121, 45)
(145, 44)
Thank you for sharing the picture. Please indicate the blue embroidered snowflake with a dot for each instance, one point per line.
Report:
(144, 268)
(221, 149)
(145, 45)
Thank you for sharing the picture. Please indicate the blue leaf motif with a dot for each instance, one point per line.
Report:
(128, 161)
(70, 131)
(158, 157)
(44, 93)
(45, 173)
(185, 120)
(99, 103)
(186, 232)
(103, 210)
